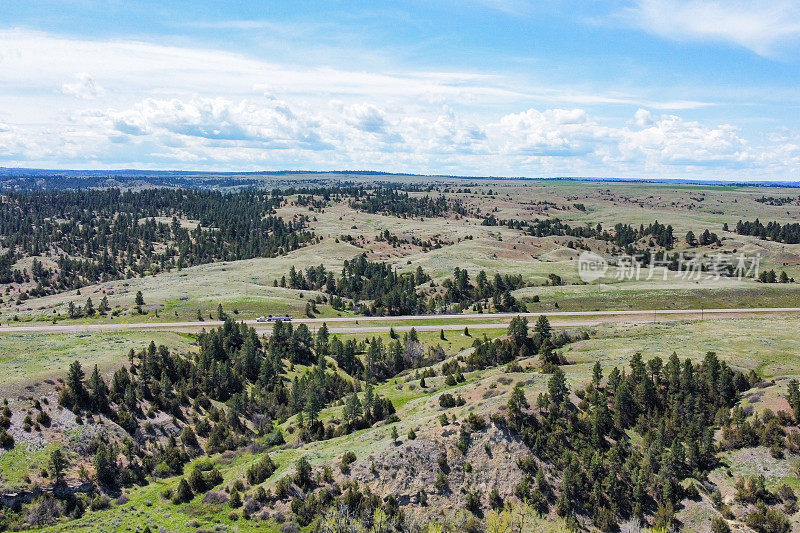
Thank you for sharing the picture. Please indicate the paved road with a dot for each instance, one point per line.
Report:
(472, 321)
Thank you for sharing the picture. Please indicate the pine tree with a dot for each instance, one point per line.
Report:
(183, 493)
(597, 374)
(99, 391)
(793, 397)
(58, 463)
(557, 387)
(352, 410)
(303, 473)
(518, 331)
(321, 343)
(542, 327)
(517, 402)
(75, 377)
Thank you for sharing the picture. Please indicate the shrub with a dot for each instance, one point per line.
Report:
(43, 419)
(183, 493)
(476, 422)
(527, 464)
(446, 400)
(6, 440)
(604, 519)
(495, 501)
(261, 471)
(236, 499)
(214, 478)
(347, 459)
(441, 481)
(44, 511)
(767, 520)
(197, 480)
(442, 461)
(719, 525)
(162, 470)
(282, 487)
(473, 503)
(100, 502)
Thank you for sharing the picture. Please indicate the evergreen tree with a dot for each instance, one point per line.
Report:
(793, 397)
(542, 327)
(75, 377)
(98, 397)
(58, 463)
(517, 402)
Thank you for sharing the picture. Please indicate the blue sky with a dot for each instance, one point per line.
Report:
(641, 88)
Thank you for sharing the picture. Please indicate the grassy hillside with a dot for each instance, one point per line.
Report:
(452, 453)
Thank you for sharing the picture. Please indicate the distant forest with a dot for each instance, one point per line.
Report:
(100, 235)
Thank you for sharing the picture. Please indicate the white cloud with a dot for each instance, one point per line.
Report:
(249, 133)
(763, 27)
(172, 107)
(553, 132)
(367, 117)
(642, 118)
(84, 88)
(670, 140)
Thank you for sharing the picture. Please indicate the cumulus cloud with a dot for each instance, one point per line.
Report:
(84, 88)
(759, 26)
(642, 118)
(270, 122)
(203, 109)
(251, 132)
(670, 140)
(367, 117)
(553, 132)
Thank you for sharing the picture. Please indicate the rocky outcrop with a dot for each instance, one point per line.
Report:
(61, 490)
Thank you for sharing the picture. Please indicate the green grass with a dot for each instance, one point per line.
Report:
(19, 463)
(640, 297)
(28, 358)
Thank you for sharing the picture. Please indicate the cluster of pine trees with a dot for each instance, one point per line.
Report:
(774, 231)
(622, 235)
(98, 235)
(434, 243)
(460, 290)
(391, 293)
(234, 368)
(520, 344)
(672, 407)
(707, 238)
(390, 201)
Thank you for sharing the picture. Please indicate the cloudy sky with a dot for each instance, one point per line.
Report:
(639, 88)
